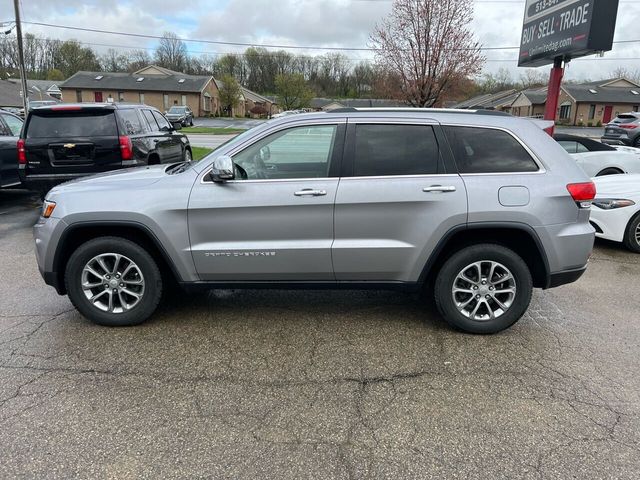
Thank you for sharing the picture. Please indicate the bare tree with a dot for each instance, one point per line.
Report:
(172, 52)
(623, 72)
(533, 78)
(428, 44)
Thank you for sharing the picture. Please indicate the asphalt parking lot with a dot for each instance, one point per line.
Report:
(318, 384)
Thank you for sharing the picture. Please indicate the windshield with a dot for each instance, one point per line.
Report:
(73, 124)
(177, 110)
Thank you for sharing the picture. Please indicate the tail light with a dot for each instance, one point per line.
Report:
(126, 149)
(22, 154)
(582, 193)
(629, 126)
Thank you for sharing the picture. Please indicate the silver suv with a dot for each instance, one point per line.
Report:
(477, 207)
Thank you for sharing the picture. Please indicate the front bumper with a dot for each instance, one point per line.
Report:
(617, 141)
(46, 234)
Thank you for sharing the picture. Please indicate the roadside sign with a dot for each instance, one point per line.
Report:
(565, 28)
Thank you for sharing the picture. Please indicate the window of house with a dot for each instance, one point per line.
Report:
(153, 125)
(301, 152)
(592, 111)
(207, 103)
(141, 95)
(485, 150)
(121, 96)
(165, 101)
(130, 121)
(183, 99)
(79, 96)
(635, 108)
(565, 111)
(395, 150)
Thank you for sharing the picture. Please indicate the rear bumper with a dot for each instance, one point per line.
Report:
(567, 276)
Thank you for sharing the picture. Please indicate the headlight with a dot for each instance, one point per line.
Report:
(611, 203)
(47, 208)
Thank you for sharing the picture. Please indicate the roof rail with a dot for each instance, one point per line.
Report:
(412, 109)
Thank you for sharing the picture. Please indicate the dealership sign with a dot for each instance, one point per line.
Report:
(565, 28)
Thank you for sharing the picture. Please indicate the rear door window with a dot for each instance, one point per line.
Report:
(163, 123)
(130, 121)
(487, 150)
(73, 124)
(14, 124)
(153, 125)
(382, 150)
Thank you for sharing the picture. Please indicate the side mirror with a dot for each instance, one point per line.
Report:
(222, 169)
(177, 125)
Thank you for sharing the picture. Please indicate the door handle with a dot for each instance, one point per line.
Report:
(310, 192)
(439, 188)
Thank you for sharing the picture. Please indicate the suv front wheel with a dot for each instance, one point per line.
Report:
(113, 281)
(483, 288)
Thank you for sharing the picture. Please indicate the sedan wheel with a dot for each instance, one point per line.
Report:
(632, 234)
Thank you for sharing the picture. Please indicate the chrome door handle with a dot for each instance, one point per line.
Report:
(439, 188)
(311, 192)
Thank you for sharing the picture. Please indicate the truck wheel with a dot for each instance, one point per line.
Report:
(632, 234)
(113, 281)
(483, 289)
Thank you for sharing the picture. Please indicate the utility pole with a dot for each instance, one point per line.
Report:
(23, 74)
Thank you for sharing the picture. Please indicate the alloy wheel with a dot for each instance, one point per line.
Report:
(112, 283)
(484, 290)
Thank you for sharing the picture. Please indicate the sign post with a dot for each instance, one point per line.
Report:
(556, 31)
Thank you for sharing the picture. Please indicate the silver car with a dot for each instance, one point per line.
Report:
(478, 208)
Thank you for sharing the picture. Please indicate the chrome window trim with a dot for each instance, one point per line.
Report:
(538, 162)
(383, 177)
(276, 180)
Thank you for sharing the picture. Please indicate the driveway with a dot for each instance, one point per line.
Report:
(317, 384)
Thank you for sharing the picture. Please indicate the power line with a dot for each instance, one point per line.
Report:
(244, 44)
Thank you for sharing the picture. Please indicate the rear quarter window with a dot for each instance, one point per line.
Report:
(487, 150)
(72, 124)
(130, 121)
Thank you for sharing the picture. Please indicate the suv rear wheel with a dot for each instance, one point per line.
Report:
(113, 281)
(483, 288)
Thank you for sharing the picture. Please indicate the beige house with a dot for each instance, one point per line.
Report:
(155, 86)
(592, 103)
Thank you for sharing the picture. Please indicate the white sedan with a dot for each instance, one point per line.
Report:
(598, 159)
(616, 209)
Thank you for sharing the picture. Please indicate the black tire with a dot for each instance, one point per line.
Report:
(636, 142)
(630, 241)
(609, 171)
(117, 245)
(485, 253)
(191, 122)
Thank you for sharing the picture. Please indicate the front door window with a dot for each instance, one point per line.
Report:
(301, 152)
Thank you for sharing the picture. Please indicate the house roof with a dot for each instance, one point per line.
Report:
(489, 100)
(253, 96)
(537, 96)
(43, 85)
(167, 82)
(10, 94)
(599, 94)
(355, 102)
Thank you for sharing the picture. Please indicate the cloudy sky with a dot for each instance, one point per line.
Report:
(326, 23)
